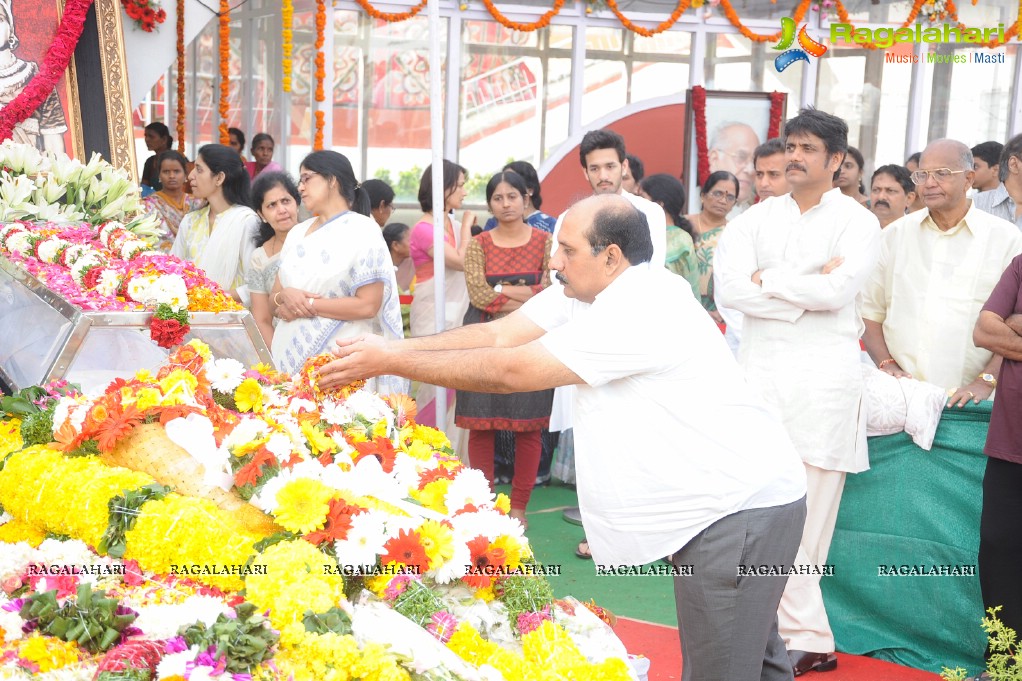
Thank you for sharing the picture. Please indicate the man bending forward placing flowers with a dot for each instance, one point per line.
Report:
(603, 332)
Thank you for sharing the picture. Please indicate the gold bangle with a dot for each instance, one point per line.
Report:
(275, 296)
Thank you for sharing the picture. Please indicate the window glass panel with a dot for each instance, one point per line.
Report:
(733, 62)
(660, 65)
(970, 100)
(605, 79)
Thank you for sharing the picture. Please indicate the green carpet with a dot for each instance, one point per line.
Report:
(648, 598)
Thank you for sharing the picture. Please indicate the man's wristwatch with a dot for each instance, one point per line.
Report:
(498, 288)
(989, 379)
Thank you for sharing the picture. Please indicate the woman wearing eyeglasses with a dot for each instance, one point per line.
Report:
(336, 278)
(718, 195)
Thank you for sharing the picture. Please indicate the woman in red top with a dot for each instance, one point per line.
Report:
(504, 267)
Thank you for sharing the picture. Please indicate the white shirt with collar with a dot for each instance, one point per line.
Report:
(658, 455)
(929, 286)
(801, 330)
(562, 416)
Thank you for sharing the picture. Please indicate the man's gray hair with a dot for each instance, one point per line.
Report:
(718, 132)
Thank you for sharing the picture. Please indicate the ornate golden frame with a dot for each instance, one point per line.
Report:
(104, 67)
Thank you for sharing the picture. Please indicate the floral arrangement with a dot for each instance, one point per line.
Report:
(317, 142)
(698, 104)
(287, 15)
(111, 267)
(55, 63)
(147, 14)
(224, 49)
(44, 186)
(390, 558)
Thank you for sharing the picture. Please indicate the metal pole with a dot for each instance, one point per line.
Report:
(439, 212)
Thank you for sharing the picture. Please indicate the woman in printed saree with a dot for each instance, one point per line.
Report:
(171, 202)
(276, 198)
(336, 277)
(505, 267)
(220, 237)
(668, 192)
(718, 195)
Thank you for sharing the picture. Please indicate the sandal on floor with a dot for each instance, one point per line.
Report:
(583, 554)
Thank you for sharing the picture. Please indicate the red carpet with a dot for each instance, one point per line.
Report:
(661, 645)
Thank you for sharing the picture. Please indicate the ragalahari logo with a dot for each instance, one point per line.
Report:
(808, 46)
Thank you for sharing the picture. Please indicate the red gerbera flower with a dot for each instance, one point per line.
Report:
(483, 558)
(338, 522)
(440, 473)
(381, 448)
(250, 473)
(406, 549)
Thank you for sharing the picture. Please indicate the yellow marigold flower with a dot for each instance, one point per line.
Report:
(291, 580)
(249, 396)
(503, 503)
(145, 376)
(147, 398)
(433, 495)
(550, 646)
(470, 646)
(431, 436)
(17, 530)
(438, 541)
(379, 665)
(380, 429)
(419, 450)
(10, 436)
(302, 505)
(202, 349)
(486, 594)
(48, 652)
(178, 387)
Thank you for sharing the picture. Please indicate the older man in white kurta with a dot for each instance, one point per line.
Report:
(794, 265)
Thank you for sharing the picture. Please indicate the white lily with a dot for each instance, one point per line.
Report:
(146, 226)
(95, 166)
(23, 158)
(49, 190)
(15, 191)
(65, 170)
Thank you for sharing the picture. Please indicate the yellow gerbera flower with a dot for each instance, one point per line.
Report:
(503, 503)
(178, 387)
(318, 440)
(249, 396)
(512, 550)
(438, 542)
(302, 505)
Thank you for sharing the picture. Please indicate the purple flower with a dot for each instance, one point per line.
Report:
(15, 605)
(176, 645)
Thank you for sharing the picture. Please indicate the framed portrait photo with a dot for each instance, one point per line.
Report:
(89, 108)
(735, 124)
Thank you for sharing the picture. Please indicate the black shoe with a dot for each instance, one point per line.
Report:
(803, 662)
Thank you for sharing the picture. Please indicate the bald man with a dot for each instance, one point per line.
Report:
(605, 331)
(937, 267)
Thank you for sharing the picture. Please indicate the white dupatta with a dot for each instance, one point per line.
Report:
(226, 254)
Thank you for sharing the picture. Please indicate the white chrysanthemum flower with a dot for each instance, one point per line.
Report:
(406, 472)
(138, 288)
(48, 249)
(71, 552)
(75, 251)
(83, 264)
(132, 247)
(468, 487)
(226, 374)
(298, 405)
(364, 542)
(175, 664)
(109, 282)
(281, 446)
(335, 413)
(487, 523)
(169, 289)
(20, 243)
(454, 568)
(10, 622)
(371, 406)
(162, 621)
(14, 559)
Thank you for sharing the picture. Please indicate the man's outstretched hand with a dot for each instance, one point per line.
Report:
(358, 358)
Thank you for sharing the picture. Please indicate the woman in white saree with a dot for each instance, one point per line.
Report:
(219, 237)
(336, 278)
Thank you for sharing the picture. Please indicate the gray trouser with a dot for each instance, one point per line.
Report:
(727, 622)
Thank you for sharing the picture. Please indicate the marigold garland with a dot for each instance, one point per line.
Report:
(181, 76)
(732, 16)
(287, 14)
(542, 22)
(776, 109)
(52, 69)
(391, 17)
(225, 68)
(317, 142)
(647, 32)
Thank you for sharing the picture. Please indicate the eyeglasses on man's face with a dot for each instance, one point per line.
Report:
(940, 175)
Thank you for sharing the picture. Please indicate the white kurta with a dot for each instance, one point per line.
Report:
(800, 339)
(929, 287)
(562, 414)
(226, 254)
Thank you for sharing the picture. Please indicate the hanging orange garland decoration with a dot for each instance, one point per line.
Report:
(317, 142)
(391, 17)
(542, 22)
(225, 69)
(287, 15)
(181, 76)
(647, 32)
(732, 16)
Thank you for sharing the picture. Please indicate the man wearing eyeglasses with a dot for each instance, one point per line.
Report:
(937, 267)
(794, 265)
(732, 147)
